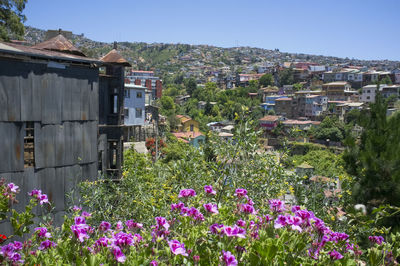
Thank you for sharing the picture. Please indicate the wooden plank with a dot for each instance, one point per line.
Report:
(3, 99)
(73, 176)
(67, 100)
(68, 143)
(60, 145)
(37, 92)
(94, 100)
(26, 97)
(77, 141)
(13, 98)
(52, 186)
(75, 100)
(93, 141)
(84, 99)
(39, 147)
(85, 143)
(51, 99)
(17, 132)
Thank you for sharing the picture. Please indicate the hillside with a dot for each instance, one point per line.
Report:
(198, 60)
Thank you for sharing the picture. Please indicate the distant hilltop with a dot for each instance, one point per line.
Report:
(196, 60)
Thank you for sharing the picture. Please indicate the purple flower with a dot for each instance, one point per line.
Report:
(295, 222)
(196, 258)
(296, 208)
(7, 250)
(313, 253)
(234, 231)
(336, 236)
(104, 226)
(241, 223)
(119, 256)
(86, 214)
(12, 187)
(122, 239)
(212, 208)
(102, 242)
(281, 221)
(16, 257)
(76, 208)
(177, 206)
(161, 221)
(37, 194)
(177, 248)
(195, 214)
(119, 226)
(80, 231)
(185, 193)
(335, 255)
(153, 263)
(217, 229)
(209, 190)
(276, 205)
(247, 208)
(376, 239)
(240, 192)
(42, 232)
(79, 220)
(130, 224)
(17, 245)
(46, 244)
(228, 258)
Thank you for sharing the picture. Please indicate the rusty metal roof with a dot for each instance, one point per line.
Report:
(12, 49)
(59, 44)
(113, 57)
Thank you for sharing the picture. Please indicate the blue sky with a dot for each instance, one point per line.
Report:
(363, 29)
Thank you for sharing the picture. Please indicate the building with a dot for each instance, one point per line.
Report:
(338, 91)
(243, 80)
(134, 105)
(111, 114)
(315, 105)
(49, 112)
(186, 124)
(284, 107)
(368, 94)
(148, 80)
(269, 103)
(193, 138)
(269, 122)
(390, 91)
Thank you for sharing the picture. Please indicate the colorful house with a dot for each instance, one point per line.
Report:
(193, 138)
(187, 124)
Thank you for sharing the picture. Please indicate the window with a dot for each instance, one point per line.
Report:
(139, 94)
(127, 93)
(126, 112)
(29, 145)
(138, 112)
(368, 97)
(191, 128)
(368, 91)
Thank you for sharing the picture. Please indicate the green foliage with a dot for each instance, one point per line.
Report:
(191, 86)
(297, 86)
(286, 77)
(266, 80)
(12, 19)
(330, 128)
(374, 159)
(386, 80)
(167, 105)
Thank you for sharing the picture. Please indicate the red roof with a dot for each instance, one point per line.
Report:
(270, 118)
(113, 57)
(60, 44)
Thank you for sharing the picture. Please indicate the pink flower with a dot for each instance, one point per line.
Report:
(196, 258)
(281, 221)
(46, 244)
(209, 190)
(335, 255)
(234, 231)
(161, 221)
(247, 208)
(228, 258)
(104, 226)
(241, 223)
(37, 194)
(276, 205)
(376, 239)
(185, 193)
(295, 208)
(86, 214)
(153, 263)
(177, 248)
(102, 242)
(79, 220)
(119, 256)
(212, 208)
(295, 222)
(177, 206)
(130, 224)
(119, 226)
(217, 229)
(12, 187)
(42, 232)
(240, 192)
(76, 208)
(195, 214)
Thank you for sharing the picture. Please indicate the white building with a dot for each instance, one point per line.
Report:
(368, 93)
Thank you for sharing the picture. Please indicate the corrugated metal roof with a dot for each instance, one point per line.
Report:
(16, 49)
(114, 57)
(59, 44)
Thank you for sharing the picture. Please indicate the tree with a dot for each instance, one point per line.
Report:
(330, 128)
(297, 86)
(191, 86)
(167, 103)
(266, 80)
(374, 159)
(286, 77)
(12, 19)
(386, 80)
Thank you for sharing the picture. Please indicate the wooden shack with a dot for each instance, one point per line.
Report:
(49, 113)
